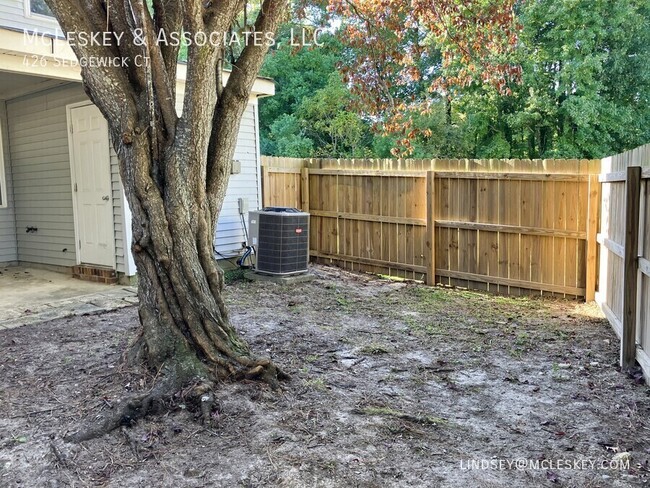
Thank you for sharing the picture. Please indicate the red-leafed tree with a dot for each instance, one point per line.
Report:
(407, 55)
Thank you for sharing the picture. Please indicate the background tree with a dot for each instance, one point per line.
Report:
(310, 115)
(410, 58)
(585, 84)
(582, 91)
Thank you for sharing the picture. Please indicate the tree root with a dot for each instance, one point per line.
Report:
(126, 412)
(264, 371)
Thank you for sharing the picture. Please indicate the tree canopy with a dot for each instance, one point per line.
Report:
(560, 78)
(311, 112)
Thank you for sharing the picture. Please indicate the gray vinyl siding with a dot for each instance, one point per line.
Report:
(118, 213)
(229, 233)
(40, 162)
(8, 248)
(40, 158)
(12, 15)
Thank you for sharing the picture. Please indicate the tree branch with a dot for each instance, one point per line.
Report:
(168, 17)
(163, 86)
(120, 107)
(234, 99)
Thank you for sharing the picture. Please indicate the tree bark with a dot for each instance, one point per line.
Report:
(175, 172)
(184, 321)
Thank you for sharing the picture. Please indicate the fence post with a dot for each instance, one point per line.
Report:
(593, 190)
(431, 228)
(304, 189)
(630, 273)
(266, 187)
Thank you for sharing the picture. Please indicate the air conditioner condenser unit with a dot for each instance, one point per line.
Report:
(280, 236)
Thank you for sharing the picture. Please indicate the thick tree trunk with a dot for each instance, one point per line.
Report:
(185, 336)
(185, 326)
(184, 321)
(175, 172)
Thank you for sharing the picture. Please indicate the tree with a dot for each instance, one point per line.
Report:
(174, 171)
(584, 89)
(336, 131)
(298, 74)
(286, 138)
(310, 116)
(411, 57)
(586, 79)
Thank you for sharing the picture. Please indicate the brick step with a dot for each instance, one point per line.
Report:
(95, 273)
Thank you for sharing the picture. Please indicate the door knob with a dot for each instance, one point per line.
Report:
(106, 198)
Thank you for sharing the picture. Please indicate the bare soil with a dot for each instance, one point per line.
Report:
(394, 384)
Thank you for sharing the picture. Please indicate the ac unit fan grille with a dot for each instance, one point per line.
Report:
(283, 243)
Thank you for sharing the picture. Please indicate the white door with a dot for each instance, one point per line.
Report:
(91, 181)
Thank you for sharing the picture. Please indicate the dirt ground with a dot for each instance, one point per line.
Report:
(394, 384)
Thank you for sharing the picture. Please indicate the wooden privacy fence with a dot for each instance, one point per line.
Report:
(508, 226)
(558, 227)
(624, 238)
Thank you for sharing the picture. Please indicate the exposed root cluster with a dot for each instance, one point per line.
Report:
(169, 385)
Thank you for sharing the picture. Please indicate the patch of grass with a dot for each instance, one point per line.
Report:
(430, 295)
(562, 335)
(374, 349)
(427, 327)
(296, 309)
(470, 295)
(391, 278)
(516, 353)
(558, 374)
(316, 383)
(342, 301)
(233, 276)
(389, 412)
(523, 339)
(522, 343)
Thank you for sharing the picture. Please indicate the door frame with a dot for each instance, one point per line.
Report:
(77, 241)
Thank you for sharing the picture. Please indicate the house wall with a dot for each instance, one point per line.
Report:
(40, 162)
(118, 214)
(230, 233)
(13, 15)
(8, 250)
